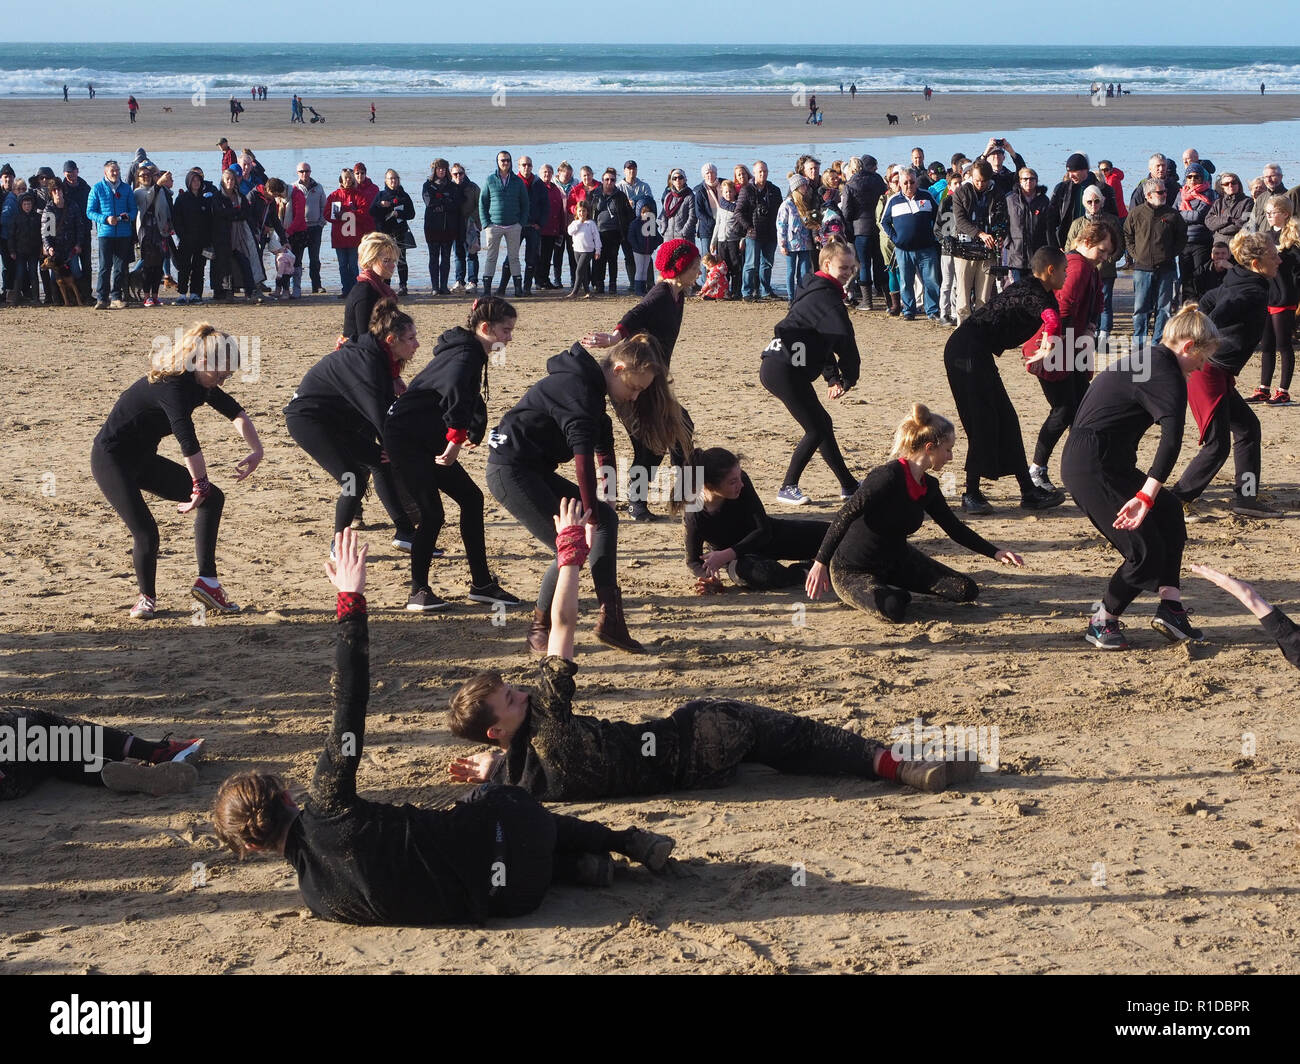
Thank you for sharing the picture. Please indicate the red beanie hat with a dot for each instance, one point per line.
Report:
(675, 257)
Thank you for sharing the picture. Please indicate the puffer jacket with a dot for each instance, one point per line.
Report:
(678, 216)
(1194, 212)
(791, 234)
(108, 202)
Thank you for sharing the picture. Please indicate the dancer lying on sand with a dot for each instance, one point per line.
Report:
(362, 862)
(557, 755)
(1276, 623)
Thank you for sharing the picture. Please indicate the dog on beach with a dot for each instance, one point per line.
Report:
(892, 119)
(917, 117)
(167, 110)
(67, 285)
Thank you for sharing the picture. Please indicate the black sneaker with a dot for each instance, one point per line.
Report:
(492, 593)
(973, 502)
(425, 601)
(1039, 499)
(1106, 636)
(1174, 624)
(1250, 506)
(639, 511)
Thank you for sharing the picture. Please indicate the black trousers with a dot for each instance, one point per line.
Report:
(124, 478)
(412, 459)
(190, 264)
(542, 271)
(533, 498)
(19, 777)
(733, 254)
(1275, 345)
(646, 461)
(350, 459)
(792, 540)
(718, 735)
(610, 242)
(1195, 257)
(799, 396)
(1064, 397)
(1153, 552)
(911, 572)
(1234, 427)
(994, 446)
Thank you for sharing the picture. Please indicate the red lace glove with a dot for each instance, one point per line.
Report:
(350, 604)
(571, 546)
(199, 491)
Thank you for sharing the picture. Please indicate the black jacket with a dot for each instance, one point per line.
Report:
(611, 212)
(443, 216)
(757, 208)
(815, 331)
(1067, 204)
(1228, 214)
(391, 211)
(1028, 225)
(1239, 309)
(861, 195)
(351, 388)
(192, 215)
(447, 393)
(560, 416)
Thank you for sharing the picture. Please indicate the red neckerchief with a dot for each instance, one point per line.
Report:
(394, 370)
(832, 281)
(378, 284)
(915, 491)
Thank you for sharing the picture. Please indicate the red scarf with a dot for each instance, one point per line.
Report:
(378, 284)
(673, 202)
(394, 370)
(1191, 195)
(832, 281)
(915, 491)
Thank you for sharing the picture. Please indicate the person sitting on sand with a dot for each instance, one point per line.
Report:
(364, 862)
(543, 746)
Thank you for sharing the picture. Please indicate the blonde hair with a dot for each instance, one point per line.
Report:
(921, 428)
(373, 246)
(654, 417)
(202, 346)
(1246, 248)
(1191, 324)
(1290, 235)
(833, 250)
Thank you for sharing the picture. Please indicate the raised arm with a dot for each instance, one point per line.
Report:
(572, 544)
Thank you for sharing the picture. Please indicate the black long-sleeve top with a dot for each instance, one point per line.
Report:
(872, 528)
(351, 387)
(445, 397)
(357, 309)
(146, 413)
(1010, 318)
(362, 862)
(1287, 633)
(1239, 309)
(1122, 408)
(740, 524)
(659, 313)
(815, 331)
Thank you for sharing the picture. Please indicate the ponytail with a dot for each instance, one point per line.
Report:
(387, 320)
(921, 428)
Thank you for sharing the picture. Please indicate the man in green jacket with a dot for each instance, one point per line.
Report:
(503, 207)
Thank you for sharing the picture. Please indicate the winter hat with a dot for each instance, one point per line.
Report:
(44, 173)
(630, 164)
(69, 166)
(1195, 168)
(675, 257)
(7, 169)
(1077, 161)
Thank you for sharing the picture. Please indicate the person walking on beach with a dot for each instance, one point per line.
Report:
(372, 114)
(90, 89)
(65, 93)
(132, 105)
(812, 110)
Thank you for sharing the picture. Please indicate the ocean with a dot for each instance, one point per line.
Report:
(380, 70)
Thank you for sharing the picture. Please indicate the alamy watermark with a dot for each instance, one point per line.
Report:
(52, 744)
(219, 352)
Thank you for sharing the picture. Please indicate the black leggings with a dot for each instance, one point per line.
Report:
(719, 734)
(189, 269)
(886, 589)
(534, 846)
(123, 480)
(732, 253)
(1233, 426)
(350, 459)
(582, 272)
(1153, 552)
(648, 460)
(610, 242)
(791, 540)
(1275, 344)
(1064, 397)
(19, 777)
(413, 463)
(800, 398)
(533, 498)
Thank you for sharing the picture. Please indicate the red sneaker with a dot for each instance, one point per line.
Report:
(1259, 395)
(213, 597)
(190, 750)
(1279, 398)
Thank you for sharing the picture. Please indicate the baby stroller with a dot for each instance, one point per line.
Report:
(315, 116)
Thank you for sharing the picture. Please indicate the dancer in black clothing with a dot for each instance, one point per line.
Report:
(747, 544)
(377, 256)
(865, 555)
(1239, 309)
(441, 412)
(1099, 467)
(659, 313)
(125, 461)
(362, 862)
(543, 746)
(815, 337)
(561, 418)
(36, 746)
(994, 445)
(337, 415)
(1276, 623)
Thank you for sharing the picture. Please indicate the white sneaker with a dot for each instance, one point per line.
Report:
(1038, 475)
(792, 496)
(459, 286)
(145, 609)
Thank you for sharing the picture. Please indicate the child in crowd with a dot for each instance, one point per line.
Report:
(586, 246)
(715, 281)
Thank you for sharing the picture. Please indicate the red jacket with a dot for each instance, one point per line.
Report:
(1079, 307)
(345, 230)
(1115, 179)
(295, 220)
(367, 193)
(577, 194)
(557, 222)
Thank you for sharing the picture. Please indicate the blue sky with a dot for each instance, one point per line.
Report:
(1190, 22)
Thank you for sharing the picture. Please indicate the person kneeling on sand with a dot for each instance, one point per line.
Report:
(543, 746)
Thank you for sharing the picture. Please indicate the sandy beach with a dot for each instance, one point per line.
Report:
(101, 125)
(1130, 830)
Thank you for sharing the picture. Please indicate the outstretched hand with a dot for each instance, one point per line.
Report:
(571, 513)
(1010, 557)
(347, 569)
(1131, 515)
(818, 581)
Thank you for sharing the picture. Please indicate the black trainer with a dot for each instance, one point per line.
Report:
(639, 511)
(492, 593)
(425, 601)
(1173, 623)
(973, 502)
(1037, 498)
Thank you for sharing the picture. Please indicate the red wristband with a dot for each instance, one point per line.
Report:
(201, 488)
(350, 604)
(1144, 498)
(457, 435)
(571, 546)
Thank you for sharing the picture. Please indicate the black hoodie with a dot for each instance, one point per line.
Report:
(448, 392)
(351, 388)
(1239, 309)
(192, 214)
(816, 329)
(559, 417)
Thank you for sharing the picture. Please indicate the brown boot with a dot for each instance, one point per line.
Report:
(895, 304)
(611, 629)
(539, 634)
